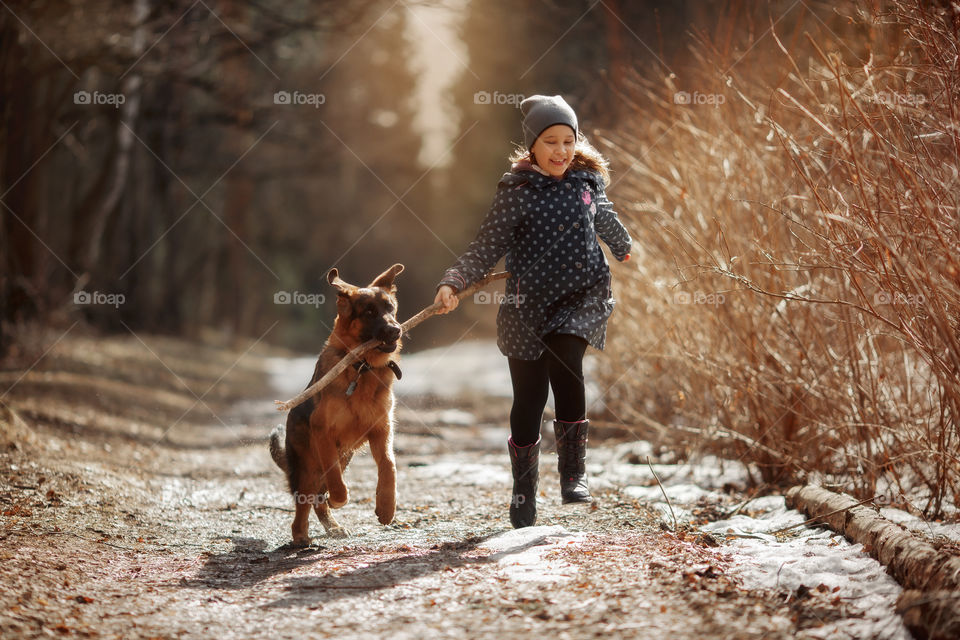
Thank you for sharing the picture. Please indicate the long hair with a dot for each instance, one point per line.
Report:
(585, 157)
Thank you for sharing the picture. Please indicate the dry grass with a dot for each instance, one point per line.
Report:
(797, 294)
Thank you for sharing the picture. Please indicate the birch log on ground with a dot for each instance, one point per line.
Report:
(931, 615)
(931, 604)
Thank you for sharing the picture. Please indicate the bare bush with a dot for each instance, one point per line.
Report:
(797, 290)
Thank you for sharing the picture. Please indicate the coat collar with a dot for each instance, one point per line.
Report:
(525, 173)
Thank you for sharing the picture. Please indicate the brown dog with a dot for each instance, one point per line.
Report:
(322, 433)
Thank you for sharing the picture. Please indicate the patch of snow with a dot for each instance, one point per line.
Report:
(807, 557)
(444, 416)
(812, 557)
(523, 553)
(468, 367)
(289, 376)
(639, 449)
(922, 527)
(708, 472)
(469, 474)
(678, 493)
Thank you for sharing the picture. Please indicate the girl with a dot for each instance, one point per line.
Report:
(546, 216)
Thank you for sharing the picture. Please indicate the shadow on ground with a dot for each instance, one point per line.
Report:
(250, 563)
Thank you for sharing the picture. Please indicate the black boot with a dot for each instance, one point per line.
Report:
(525, 462)
(571, 460)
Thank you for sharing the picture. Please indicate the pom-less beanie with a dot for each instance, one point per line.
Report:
(542, 112)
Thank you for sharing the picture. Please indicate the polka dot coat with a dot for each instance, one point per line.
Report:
(559, 277)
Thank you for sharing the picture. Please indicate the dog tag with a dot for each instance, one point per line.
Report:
(352, 387)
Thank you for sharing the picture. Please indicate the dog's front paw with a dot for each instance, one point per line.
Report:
(338, 532)
(385, 514)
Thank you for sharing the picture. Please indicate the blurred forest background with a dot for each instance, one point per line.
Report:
(788, 170)
(199, 196)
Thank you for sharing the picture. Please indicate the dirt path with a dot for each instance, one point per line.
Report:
(184, 536)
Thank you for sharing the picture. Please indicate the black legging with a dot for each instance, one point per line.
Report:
(560, 366)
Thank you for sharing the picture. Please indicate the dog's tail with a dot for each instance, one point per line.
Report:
(277, 438)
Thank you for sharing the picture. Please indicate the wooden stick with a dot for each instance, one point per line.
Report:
(358, 352)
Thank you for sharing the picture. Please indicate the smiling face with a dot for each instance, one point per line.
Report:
(553, 149)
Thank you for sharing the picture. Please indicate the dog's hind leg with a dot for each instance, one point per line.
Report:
(301, 525)
(330, 525)
(337, 494)
(381, 448)
(322, 509)
(305, 484)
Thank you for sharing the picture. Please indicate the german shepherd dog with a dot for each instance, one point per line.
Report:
(323, 432)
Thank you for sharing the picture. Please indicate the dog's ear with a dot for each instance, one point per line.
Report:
(385, 279)
(333, 277)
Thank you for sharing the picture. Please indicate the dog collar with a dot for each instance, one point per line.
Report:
(363, 365)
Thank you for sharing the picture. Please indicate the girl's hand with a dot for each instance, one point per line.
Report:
(447, 296)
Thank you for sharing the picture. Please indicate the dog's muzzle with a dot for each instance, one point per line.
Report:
(390, 336)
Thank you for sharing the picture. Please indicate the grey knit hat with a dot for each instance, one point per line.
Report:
(542, 112)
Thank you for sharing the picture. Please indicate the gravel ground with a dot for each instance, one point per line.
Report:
(168, 519)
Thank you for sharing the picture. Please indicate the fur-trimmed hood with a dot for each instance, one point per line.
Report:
(524, 172)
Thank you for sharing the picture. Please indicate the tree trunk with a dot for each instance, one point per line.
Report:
(20, 141)
(130, 88)
(931, 615)
(616, 53)
(235, 283)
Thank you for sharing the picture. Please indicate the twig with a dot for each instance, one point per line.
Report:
(822, 515)
(664, 492)
(357, 352)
